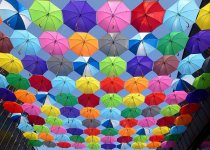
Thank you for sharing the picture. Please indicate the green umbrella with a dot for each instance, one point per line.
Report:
(46, 15)
(111, 100)
(93, 146)
(141, 138)
(41, 128)
(18, 81)
(77, 138)
(170, 110)
(202, 82)
(109, 132)
(54, 121)
(113, 66)
(66, 99)
(172, 43)
(172, 137)
(35, 143)
(131, 112)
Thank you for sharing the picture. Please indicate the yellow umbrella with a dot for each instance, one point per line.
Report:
(133, 100)
(30, 135)
(90, 112)
(92, 139)
(50, 110)
(136, 84)
(138, 145)
(10, 63)
(203, 19)
(127, 131)
(83, 44)
(87, 84)
(153, 145)
(161, 130)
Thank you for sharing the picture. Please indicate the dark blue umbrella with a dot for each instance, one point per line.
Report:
(108, 146)
(70, 112)
(178, 129)
(34, 64)
(43, 97)
(124, 146)
(79, 16)
(75, 131)
(182, 85)
(110, 123)
(197, 96)
(139, 66)
(7, 95)
(143, 131)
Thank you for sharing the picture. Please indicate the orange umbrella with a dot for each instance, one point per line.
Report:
(127, 131)
(90, 112)
(183, 119)
(46, 137)
(153, 145)
(83, 44)
(136, 84)
(25, 96)
(0, 20)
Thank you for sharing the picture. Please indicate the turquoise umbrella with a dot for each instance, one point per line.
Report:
(25, 127)
(62, 138)
(3, 82)
(110, 113)
(72, 122)
(63, 84)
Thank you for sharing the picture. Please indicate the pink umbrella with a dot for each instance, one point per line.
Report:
(54, 43)
(205, 144)
(58, 130)
(176, 97)
(147, 122)
(108, 139)
(31, 109)
(168, 144)
(78, 145)
(113, 16)
(160, 83)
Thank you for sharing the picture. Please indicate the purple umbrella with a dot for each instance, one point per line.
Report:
(197, 96)
(168, 144)
(79, 16)
(34, 64)
(6, 95)
(108, 146)
(75, 131)
(199, 42)
(139, 66)
(70, 112)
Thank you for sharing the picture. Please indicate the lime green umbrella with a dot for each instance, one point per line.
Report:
(54, 121)
(141, 138)
(113, 66)
(46, 15)
(111, 100)
(202, 82)
(35, 143)
(41, 128)
(77, 138)
(172, 43)
(172, 137)
(93, 146)
(109, 132)
(17, 81)
(170, 110)
(66, 99)
(131, 112)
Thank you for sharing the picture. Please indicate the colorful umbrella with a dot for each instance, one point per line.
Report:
(124, 139)
(150, 111)
(25, 96)
(92, 139)
(45, 98)
(49, 144)
(156, 138)
(136, 84)
(112, 84)
(110, 113)
(92, 131)
(168, 144)
(170, 110)
(3, 82)
(75, 131)
(37, 120)
(63, 144)
(93, 146)
(166, 121)
(46, 137)
(128, 122)
(154, 98)
(7, 95)
(40, 83)
(147, 122)
(140, 138)
(113, 16)
(133, 100)
(108, 139)
(41, 129)
(111, 100)
(138, 145)
(197, 96)
(5, 43)
(161, 130)
(182, 84)
(58, 130)
(54, 121)
(91, 123)
(131, 112)
(50, 110)
(183, 119)
(35, 143)
(90, 112)
(78, 145)
(63, 84)
(176, 97)
(127, 131)
(178, 129)
(202, 19)
(206, 65)
(30, 135)
(77, 138)
(172, 137)
(69, 112)
(12, 107)
(31, 109)
(110, 123)
(108, 146)
(153, 145)
(109, 132)
(25, 127)
(202, 81)
(190, 108)
(143, 131)
(72, 122)
(66, 99)
(124, 146)
(87, 85)
(160, 83)
(88, 100)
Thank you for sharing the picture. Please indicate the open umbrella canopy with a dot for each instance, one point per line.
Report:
(63, 144)
(172, 137)
(127, 131)
(161, 130)
(46, 137)
(133, 100)
(203, 17)
(31, 109)
(66, 99)
(197, 96)
(138, 145)
(153, 145)
(88, 100)
(72, 122)
(108, 139)
(3, 81)
(124, 139)
(168, 144)
(183, 119)
(25, 96)
(131, 112)
(176, 97)
(35, 143)
(25, 127)
(37, 120)
(165, 121)
(155, 98)
(41, 129)
(136, 84)
(91, 123)
(141, 138)
(170, 110)
(69, 112)
(150, 111)
(111, 100)
(143, 131)
(54, 121)
(40, 83)
(147, 122)
(156, 138)
(112, 84)
(206, 65)
(7, 95)
(202, 81)
(87, 85)
(5, 43)
(63, 84)
(77, 138)
(110, 113)
(58, 130)
(109, 132)
(93, 146)
(90, 113)
(92, 131)
(160, 83)
(50, 110)
(190, 108)
(178, 129)
(128, 122)
(75, 131)
(30, 135)
(92, 139)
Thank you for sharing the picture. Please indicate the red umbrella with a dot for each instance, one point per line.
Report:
(112, 85)
(12, 107)
(92, 131)
(156, 138)
(190, 108)
(154, 98)
(5, 44)
(166, 121)
(37, 120)
(124, 139)
(128, 122)
(40, 83)
(88, 100)
(147, 16)
(64, 144)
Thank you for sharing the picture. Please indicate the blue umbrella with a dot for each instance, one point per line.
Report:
(197, 96)
(62, 138)
(75, 131)
(7, 95)
(191, 64)
(181, 15)
(15, 117)
(3, 82)
(108, 146)
(25, 127)
(72, 123)
(143, 44)
(143, 131)
(45, 98)
(63, 84)
(69, 112)
(86, 66)
(25, 42)
(182, 84)
(110, 113)
(124, 146)
(178, 129)
(110, 123)
(14, 14)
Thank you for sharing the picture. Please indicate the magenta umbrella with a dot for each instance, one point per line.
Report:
(160, 83)
(54, 43)
(176, 97)
(168, 144)
(113, 16)
(58, 130)
(147, 122)
(78, 145)
(31, 109)
(108, 139)
(205, 144)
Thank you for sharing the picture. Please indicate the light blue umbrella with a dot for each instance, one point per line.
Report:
(3, 82)
(191, 64)
(14, 14)
(177, 129)
(86, 66)
(72, 123)
(143, 44)
(181, 15)
(110, 113)
(25, 42)
(62, 138)
(25, 127)
(63, 84)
